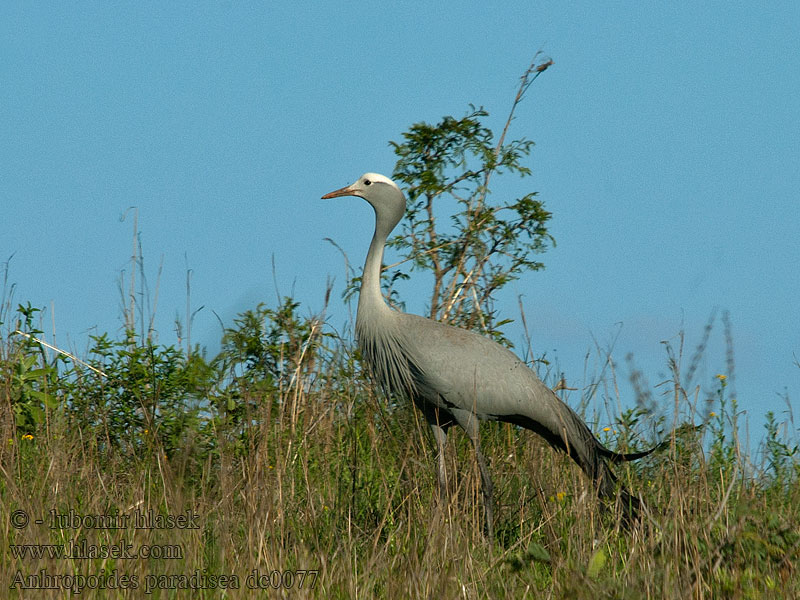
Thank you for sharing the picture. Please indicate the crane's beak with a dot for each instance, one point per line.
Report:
(345, 191)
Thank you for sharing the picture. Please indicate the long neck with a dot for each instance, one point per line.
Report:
(370, 298)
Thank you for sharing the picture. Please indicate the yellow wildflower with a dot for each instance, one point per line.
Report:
(561, 496)
(606, 428)
(27, 436)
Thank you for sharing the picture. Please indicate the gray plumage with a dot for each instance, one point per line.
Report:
(455, 376)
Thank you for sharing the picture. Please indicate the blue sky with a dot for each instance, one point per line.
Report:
(667, 149)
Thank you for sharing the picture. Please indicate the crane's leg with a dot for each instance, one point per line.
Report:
(469, 422)
(440, 435)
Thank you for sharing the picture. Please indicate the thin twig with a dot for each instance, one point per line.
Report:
(525, 82)
(60, 351)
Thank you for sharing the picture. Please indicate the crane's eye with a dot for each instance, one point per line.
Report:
(367, 182)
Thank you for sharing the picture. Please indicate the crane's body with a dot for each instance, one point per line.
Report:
(455, 376)
(456, 367)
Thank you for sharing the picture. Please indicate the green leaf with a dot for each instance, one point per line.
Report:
(35, 373)
(596, 563)
(48, 400)
(27, 362)
(538, 552)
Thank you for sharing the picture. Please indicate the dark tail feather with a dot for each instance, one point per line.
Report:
(594, 459)
(576, 439)
(616, 457)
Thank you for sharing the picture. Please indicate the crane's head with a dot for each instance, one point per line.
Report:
(381, 192)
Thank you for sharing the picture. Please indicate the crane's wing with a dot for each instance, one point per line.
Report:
(463, 369)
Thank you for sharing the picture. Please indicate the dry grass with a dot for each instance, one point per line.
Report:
(347, 490)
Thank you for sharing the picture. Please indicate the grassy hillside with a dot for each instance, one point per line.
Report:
(275, 466)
